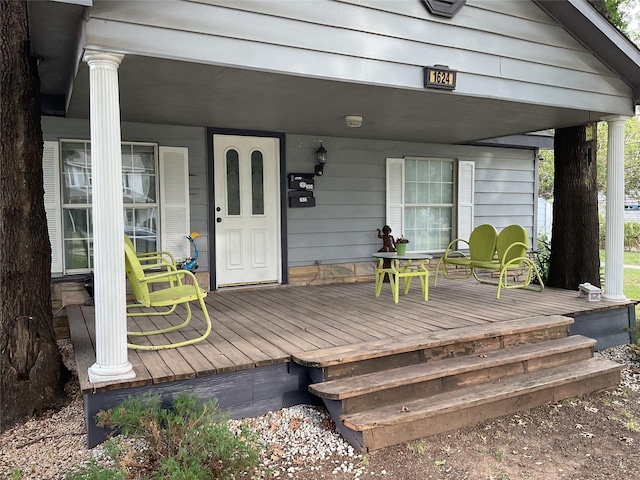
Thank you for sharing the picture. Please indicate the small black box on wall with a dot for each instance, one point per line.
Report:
(301, 181)
(301, 199)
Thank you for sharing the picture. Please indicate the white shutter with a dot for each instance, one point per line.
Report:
(52, 204)
(466, 178)
(395, 195)
(174, 201)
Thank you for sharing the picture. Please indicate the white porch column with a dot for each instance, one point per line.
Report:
(614, 236)
(108, 225)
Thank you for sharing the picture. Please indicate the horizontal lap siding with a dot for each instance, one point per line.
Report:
(501, 49)
(350, 196)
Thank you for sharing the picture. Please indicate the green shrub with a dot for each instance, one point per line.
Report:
(541, 257)
(631, 236)
(187, 441)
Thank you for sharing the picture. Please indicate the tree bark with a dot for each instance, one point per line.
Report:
(575, 232)
(29, 357)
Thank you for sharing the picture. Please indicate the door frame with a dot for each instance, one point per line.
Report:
(211, 131)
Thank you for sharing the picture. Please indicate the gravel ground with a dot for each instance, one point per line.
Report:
(302, 440)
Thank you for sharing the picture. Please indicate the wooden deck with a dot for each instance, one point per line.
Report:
(261, 327)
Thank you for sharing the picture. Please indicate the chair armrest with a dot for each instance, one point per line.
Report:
(506, 252)
(157, 261)
(176, 274)
(455, 240)
(145, 256)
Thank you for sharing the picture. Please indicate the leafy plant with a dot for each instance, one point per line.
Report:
(542, 257)
(191, 439)
(631, 236)
(92, 471)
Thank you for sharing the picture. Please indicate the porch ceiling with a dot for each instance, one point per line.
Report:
(172, 92)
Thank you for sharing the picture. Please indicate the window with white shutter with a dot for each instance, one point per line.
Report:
(424, 203)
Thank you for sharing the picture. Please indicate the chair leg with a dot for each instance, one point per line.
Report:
(379, 281)
(424, 281)
(395, 286)
(407, 284)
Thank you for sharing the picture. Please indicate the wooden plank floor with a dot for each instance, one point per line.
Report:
(265, 326)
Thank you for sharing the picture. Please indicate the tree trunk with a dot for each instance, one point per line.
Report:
(574, 236)
(29, 357)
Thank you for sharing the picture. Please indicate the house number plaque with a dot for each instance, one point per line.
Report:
(440, 76)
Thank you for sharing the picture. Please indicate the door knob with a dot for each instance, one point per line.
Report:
(218, 219)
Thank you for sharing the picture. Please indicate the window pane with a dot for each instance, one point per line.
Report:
(76, 173)
(410, 193)
(233, 183)
(78, 242)
(424, 170)
(424, 190)
(447, 172)
(435, 193)
(257, 183)
(140, 225)
(410, 170)
(447, 193)
(138, 174)
(435, 171)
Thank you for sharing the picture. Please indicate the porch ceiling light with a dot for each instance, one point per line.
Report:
(321, 158)
(353, 121)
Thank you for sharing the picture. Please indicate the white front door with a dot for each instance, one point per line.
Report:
(247, 210)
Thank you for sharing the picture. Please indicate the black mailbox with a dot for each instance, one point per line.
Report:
(301, 181)
(301, 199)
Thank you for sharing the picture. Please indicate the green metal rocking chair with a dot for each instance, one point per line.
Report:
(482, 247)
(511, 259)
(176, 291)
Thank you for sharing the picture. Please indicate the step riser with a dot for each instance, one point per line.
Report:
(385, 436)
(475, 347)
(425, 389)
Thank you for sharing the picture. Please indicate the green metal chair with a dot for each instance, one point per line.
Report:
(181, 287)
(482, 247)
(511, 258)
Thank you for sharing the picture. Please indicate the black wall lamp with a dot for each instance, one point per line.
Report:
(321, 157)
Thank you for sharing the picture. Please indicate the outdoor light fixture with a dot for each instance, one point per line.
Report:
(353, 121)
(321, 157)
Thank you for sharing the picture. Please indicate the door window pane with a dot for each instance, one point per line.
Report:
(257, 183)
(233, 183)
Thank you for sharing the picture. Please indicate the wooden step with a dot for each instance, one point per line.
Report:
(418, 381)
(367, 357)
(401, 422)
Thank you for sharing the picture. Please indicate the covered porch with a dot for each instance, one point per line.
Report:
(246, 361)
